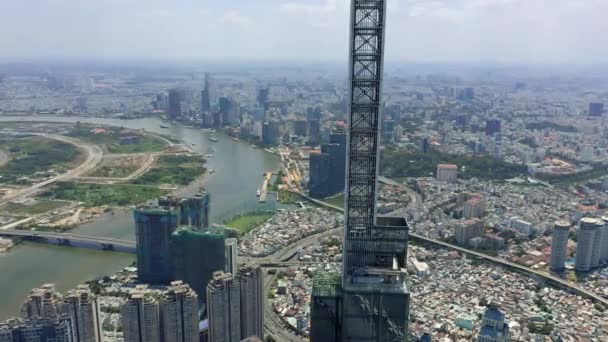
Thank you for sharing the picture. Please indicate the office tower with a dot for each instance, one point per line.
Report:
(388, 131)
(325, 307)
(319, 175)
(493, 126)
(468, 230)
(179, 313)
(196, 255)
(559, 245)
(300, 128)
(81, 306)
(493, 326)
(596, 109)
(153, 228)
(37, 330)
(42, 302)
(141, 316)
(230, 112)
(224, 308)
(596, 249)
(231, 252)
(193, 211)
(424, 145)
(271, 132)
(314, 130)
(337, 156)
(263, 96)
(447, 173)
(176, 98)
(398, 132)
(373, 298)
(252, 301)
(584, 245)
(604, 241)
(206, 95)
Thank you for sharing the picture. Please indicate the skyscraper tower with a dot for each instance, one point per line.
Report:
(252, 302)
(42, 302)
(584, 245)
(374, 298)
(82, 308)
(224, 307)
(141, 317)
(559, 245)
(231, 251)
(179, 313)
(153, 228)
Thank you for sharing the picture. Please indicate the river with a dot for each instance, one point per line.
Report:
(239, 168)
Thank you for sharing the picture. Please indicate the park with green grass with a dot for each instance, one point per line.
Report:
(117, 140)
(246, 222)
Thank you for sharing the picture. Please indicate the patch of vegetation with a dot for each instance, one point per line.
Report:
(403, 163)
(337, 201)
(41, 206)
(579, 177)
(287, 197)
(545, 329)
(114, 171)
(552, 125)
(35, 156)
(246, 222)
(94, 195)
(174, 169)
(110, 138)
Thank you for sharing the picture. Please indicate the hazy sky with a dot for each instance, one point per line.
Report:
(572, 31)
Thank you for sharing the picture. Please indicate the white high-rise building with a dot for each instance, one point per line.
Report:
(179, 313)
(82, 308)
(596, 251)
(584, 247)
(252, 302)
(140, 316)
(232, 251)
(224, 308)
(447, 173)
(559, 245)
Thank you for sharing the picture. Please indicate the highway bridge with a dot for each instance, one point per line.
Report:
(73, 240)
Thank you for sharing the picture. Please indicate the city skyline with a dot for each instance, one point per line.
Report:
(464, 30)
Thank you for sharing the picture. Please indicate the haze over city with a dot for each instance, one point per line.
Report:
(505, 31)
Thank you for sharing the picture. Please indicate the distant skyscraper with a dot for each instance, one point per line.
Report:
(141, 317)
(224, 308)
(373, 298)
(447, 173)
(179, 313)
(584, 245)
(43, 302)
(314, 130)
(153, 228)
(300, 128)
(196, 255)
(388, 131)
(559, 245)
(176, 99)
(230, 112)
(319, 175)
(596, 109)
(596, 250)
(424, 145)
(82, 308)
(232, 251)
(493, 326)
(271, 132)
(206, 95)
(604, 241)
(492, 127)
(252, 302)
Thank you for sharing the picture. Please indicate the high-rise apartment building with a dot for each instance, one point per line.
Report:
(37, 330)
(43, 302)
(373, 298)
(584, 245)
(604, 241)
(81, 306)
(230, 112)
(559, 245)
(176, 103)
(447, 173)
(493, 326)
(179, 313)
(252, 301)
(196, 255)
(224, 308)
(596, 249)
(153, 229)
(231, 252)
(141, 316)
(467, 230)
